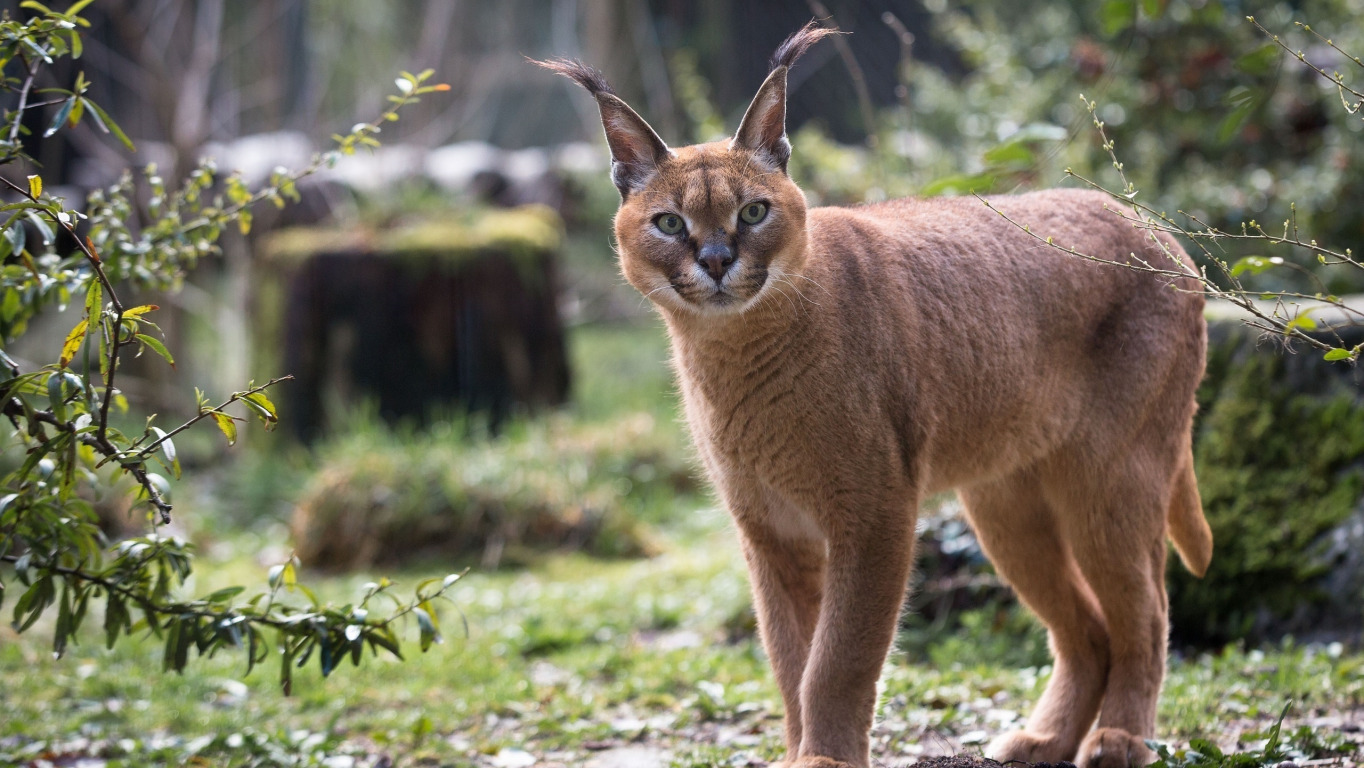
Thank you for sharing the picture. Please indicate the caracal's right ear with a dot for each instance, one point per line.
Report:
(636, 150)
(763, 129)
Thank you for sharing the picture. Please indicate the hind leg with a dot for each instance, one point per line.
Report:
(1019, 532)
(1113, 518)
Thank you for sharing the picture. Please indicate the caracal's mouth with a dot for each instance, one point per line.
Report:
(724, 297)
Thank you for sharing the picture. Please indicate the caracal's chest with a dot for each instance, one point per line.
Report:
(786, 418)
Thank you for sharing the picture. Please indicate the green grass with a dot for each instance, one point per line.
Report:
(576, 654)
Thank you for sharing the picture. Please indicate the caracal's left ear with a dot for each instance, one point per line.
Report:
(763, 130)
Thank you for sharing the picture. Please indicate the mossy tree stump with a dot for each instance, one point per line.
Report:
(1279, 451)
(458, 315)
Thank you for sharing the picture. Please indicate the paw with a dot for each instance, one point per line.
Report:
(1029, 747)
(1114, 748)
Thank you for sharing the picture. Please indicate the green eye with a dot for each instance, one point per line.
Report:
(669, 223)
(753, 213)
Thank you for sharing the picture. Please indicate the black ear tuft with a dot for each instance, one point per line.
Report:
(763, 129)
(799, 42)
(636, 150)
(578, 72)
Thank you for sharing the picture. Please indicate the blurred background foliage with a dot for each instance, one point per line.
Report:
(924, 97)
(983, 96)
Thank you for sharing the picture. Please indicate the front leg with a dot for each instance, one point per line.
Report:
(864, 588)
(786, 576)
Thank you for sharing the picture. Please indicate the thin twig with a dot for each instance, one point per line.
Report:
(1240, 298)
(205, 413)
(23, 97)
(1338, 81)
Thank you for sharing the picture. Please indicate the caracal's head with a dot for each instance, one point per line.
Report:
(706, 229)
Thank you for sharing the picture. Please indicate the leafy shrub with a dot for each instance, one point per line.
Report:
(379, 496)
(53, 555)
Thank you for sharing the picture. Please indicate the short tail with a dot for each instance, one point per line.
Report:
(1188, 527)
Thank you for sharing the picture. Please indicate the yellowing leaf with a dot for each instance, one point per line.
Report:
(142, 310)
(35, 185)
(227, 425)
(73, 342)
(261, 405)
(94, 300)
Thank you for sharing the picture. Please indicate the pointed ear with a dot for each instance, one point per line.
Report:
(763, 130)
(636, 150)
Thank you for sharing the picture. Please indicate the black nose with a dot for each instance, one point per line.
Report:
(716, 258)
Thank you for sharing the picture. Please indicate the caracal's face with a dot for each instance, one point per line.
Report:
(712, 232)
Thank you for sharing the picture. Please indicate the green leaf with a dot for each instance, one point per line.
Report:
(55, 398)
(62, 114)
(326, 657)
(421, 729)
(65, 626)
(224, 595)
(1254, 265)
(1303, 322)
(1206, 748)
(170, 653)
(9, 309)
(426, 622)
(107, 125)
(1337, 354)
(1271, 747)
(115, 619)
(17, 238)
(157, 347)
(286, 673)
(382, 637)
(44, 228)
(252, 644)
(33, 603)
